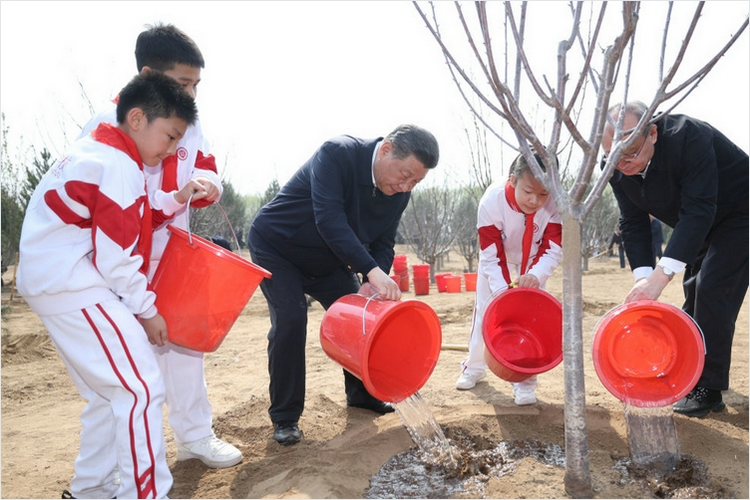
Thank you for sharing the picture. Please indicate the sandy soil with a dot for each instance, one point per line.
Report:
(343, 448)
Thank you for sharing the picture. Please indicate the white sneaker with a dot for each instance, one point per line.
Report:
(210, 450)
(468, 380)
(524, 396)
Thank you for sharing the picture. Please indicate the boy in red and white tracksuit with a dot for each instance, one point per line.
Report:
(520, 238)
(83, 269)
(166, 49)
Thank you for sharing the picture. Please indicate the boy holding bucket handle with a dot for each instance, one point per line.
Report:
(166, 49)
(83, 262)
(520, 234)
(337, 216)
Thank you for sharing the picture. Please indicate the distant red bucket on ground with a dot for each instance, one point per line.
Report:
(648, 353)
(421, 285)
(440, 281)
(522, 329)
(201, 289)
(392, 346)
(470, 282)
(452, 284)
(420, 270)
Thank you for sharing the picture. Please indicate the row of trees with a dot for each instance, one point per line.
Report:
(439, 219)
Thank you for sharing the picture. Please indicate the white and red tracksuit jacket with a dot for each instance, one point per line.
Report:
(87, 230)
(506, 245)
(192, 159)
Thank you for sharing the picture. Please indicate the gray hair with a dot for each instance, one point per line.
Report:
(413, 140)
(635, 108)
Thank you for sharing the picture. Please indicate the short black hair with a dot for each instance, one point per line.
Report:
(413, 140)
(159, 96)
(162, 46)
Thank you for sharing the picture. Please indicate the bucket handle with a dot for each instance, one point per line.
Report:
(226, 217)
(364, 310)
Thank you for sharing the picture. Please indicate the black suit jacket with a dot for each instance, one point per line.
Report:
(330, 214)
(696, 177)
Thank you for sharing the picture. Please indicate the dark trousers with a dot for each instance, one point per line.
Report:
(287, 306)
(621, 254)
(715, 286)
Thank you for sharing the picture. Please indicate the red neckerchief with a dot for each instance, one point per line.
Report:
(528, 232)
(113, 136)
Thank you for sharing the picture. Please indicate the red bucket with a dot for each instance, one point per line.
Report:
(648, 353)
(440, 281)
(392, 346)
(201, 289)
(452, 284)
(470, 282)
(522, 330)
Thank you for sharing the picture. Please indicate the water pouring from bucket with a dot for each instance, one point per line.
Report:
(522, 330)
(649, 355)
(392, 346)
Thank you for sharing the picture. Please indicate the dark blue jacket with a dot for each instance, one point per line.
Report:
(696, 177)
(331, 215)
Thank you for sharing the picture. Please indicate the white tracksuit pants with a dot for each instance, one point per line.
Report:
(188, 410)
(474, 363)
(110, 360)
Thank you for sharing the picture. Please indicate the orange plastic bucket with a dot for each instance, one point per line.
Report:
(522, 330)
(470, 282)
(648, 353)
(201, 289)
(452, 284)
(392, 346)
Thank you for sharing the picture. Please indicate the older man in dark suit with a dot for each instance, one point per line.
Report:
(691, 177)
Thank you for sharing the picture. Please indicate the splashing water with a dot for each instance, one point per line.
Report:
(425, 431)
(652, 437)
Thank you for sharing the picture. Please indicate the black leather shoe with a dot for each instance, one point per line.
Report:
(287, 433)
(374, 405)
(699, 402)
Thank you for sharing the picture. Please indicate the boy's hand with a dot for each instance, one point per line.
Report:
(378, 281)
(156, 330)
(200, 188)
(528, 280)
(211, 189)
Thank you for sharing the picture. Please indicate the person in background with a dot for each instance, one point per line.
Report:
(93, 296)
(657, 237)
(616, 240)
(335, 218)
(166, 49)
(520, 241)
(691, 177)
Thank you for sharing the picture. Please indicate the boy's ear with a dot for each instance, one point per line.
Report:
(136, 119)
(145, 70)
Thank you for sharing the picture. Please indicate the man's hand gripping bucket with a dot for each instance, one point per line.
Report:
(396, 357)
(201, 288)
(522, 330)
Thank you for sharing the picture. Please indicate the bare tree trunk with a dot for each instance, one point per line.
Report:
(577, 472)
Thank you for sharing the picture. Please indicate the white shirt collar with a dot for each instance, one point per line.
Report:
(374, 157)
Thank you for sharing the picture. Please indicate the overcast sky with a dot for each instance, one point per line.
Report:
(282, 77)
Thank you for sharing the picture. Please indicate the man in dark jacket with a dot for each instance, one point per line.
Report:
(336, 218)
(691, 177)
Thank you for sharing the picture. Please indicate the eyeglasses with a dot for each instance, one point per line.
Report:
(632, 156)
